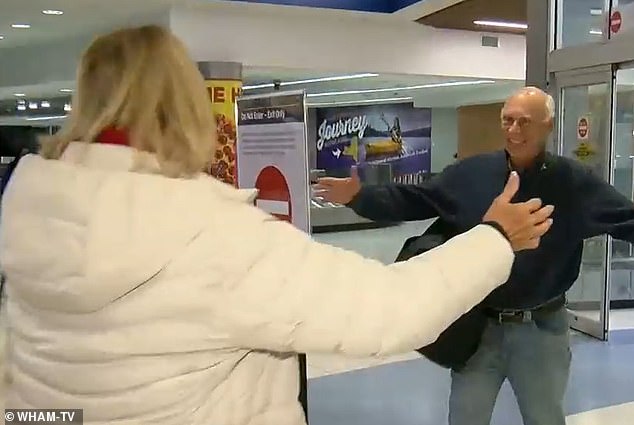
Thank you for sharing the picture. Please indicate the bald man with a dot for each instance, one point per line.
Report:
(524, 337)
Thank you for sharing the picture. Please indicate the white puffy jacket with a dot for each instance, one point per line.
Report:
(148, 300)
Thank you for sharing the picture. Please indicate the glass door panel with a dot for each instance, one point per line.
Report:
(585, 104)
(580, 22)
(622, 264)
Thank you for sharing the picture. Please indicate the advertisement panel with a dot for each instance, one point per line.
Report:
(398, 134)
(273, 155)
(223, 95)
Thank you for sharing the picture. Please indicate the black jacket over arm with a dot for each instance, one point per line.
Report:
(585, 206)
(602, 209)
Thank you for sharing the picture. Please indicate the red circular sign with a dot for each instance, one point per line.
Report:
(274, 195)
(583, 128)
(615, 22)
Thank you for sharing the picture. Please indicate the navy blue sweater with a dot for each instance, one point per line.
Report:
(585, 206)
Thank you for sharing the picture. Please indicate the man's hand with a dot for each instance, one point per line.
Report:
(524, 223)
(339, 191)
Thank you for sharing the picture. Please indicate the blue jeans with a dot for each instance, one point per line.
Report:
(535, 358)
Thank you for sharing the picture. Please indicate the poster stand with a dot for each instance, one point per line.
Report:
(272, 156)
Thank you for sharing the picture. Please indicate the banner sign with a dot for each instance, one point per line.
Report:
(223, 95)
(398, 134)
(585, 150)
(272, 154)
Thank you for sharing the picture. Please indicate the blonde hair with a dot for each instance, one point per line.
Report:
(143, 81)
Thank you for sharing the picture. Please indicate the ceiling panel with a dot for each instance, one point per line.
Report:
(398, 84)
(461, 15)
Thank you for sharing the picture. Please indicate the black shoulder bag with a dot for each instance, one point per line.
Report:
(459, 342)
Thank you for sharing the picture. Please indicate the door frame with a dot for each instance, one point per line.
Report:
(602, 74)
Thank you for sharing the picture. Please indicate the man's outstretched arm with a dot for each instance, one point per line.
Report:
(393, 202)
(601, 209)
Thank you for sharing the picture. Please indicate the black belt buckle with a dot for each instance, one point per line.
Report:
(515, 316)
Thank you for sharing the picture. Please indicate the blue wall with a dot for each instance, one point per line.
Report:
(381, 6)
(400, 4)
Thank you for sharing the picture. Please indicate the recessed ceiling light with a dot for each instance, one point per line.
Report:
(52, 12)
(596, 12)
(500, 24)
(21, 26)
(66, 90)
(596, 32)
(1, 37)
(19, 94)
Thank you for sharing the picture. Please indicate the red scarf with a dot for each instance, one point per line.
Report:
(113, 136)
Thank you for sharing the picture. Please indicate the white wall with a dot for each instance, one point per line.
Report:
(444, 137)
(344, 42)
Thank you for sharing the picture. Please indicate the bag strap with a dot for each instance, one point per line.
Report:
(12, 166)
(5, 182)
(2, 279)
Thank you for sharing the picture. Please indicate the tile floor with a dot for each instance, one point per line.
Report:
(619, 319)
(409, 390)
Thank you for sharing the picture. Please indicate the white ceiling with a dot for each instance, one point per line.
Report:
(259, 75)
(80, 16)
(401, 86)
(422, 97)
(86, 17)
(90, 16)
(253, 75)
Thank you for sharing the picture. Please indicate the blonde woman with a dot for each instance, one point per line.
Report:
(145, 292)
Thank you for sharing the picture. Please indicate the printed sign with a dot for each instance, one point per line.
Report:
(615, 22)
(583, 128)
(584, 152)
(273, 155)
(274, 194)
(398, 134)
(223, 95)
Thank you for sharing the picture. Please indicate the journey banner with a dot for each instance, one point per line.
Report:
(399, 134)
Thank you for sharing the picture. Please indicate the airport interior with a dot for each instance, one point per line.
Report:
(402, 89)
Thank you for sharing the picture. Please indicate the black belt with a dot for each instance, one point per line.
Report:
(525, 316)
